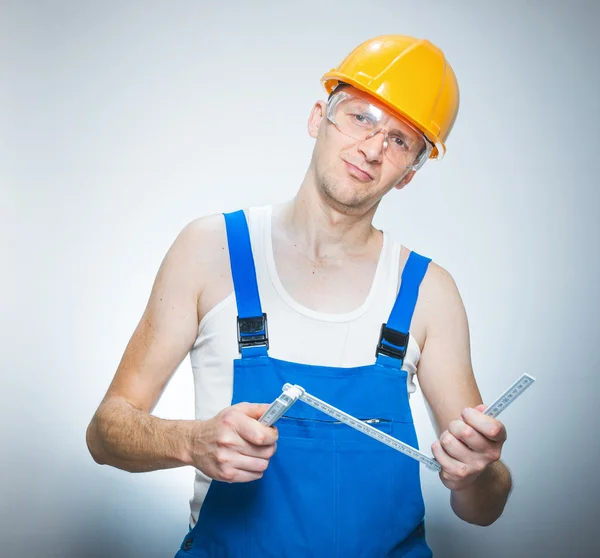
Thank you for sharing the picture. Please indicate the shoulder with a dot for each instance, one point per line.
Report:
(442, 304)
(437, 280)
(205, 259)
(438, 283)
(204, 238)
(209, 229)
(439, 302)
(199, 250)
(202, 228)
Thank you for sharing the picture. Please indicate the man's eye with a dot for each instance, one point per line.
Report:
(361, 118)
(399, 142)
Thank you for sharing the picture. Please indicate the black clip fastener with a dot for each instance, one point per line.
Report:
(394, 337)
(252, 331)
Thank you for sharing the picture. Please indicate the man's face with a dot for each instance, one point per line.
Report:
(354, 174)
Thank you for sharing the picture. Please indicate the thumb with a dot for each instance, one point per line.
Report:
(252, 410)
(481, 408)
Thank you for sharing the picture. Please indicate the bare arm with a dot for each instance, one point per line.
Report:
(233, 445)
(122, 433)
(469, 443)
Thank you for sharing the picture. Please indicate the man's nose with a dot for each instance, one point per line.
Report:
(372, 147)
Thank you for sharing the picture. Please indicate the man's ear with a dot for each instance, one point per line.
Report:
(405, 180)
(316, 117)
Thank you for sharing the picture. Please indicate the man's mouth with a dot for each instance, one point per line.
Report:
(360, 173)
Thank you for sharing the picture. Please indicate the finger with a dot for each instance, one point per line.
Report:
(252, 410)
(229, 464)
(468, 435)
(254, 432)
(245, 476)
(456, 449)
(250, 464)
(452, 469)
(490, 427)
(237, 475)
(230, 439)
(252, 450)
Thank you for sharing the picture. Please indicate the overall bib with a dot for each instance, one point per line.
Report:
(329, 491)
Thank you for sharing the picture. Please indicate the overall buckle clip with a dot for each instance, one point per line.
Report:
(394, 337)
(252, 331)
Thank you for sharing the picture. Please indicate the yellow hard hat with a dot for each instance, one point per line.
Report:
(409, 76)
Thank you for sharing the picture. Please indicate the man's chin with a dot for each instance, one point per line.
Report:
(344, 201)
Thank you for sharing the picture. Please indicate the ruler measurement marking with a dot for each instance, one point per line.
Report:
(509, 396)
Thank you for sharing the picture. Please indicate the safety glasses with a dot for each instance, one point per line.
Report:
(403, 145)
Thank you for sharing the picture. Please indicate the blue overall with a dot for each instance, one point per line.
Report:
(329, 491)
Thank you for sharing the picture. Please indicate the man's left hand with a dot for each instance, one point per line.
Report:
(468, 447)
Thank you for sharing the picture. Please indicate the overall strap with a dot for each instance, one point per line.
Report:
(393, 340)
(251, 321)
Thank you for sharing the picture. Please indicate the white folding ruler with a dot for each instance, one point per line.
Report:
(291, 394)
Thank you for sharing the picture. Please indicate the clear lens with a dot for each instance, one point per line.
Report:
(403, 145)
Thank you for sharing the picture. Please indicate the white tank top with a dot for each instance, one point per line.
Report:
(340, 340)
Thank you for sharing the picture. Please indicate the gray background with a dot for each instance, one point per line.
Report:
(122, 121)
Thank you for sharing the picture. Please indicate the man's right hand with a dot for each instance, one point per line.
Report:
(233, 446)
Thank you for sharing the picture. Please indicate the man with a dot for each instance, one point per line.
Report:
(307, 293)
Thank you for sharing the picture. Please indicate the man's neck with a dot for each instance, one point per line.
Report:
(323, 232)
